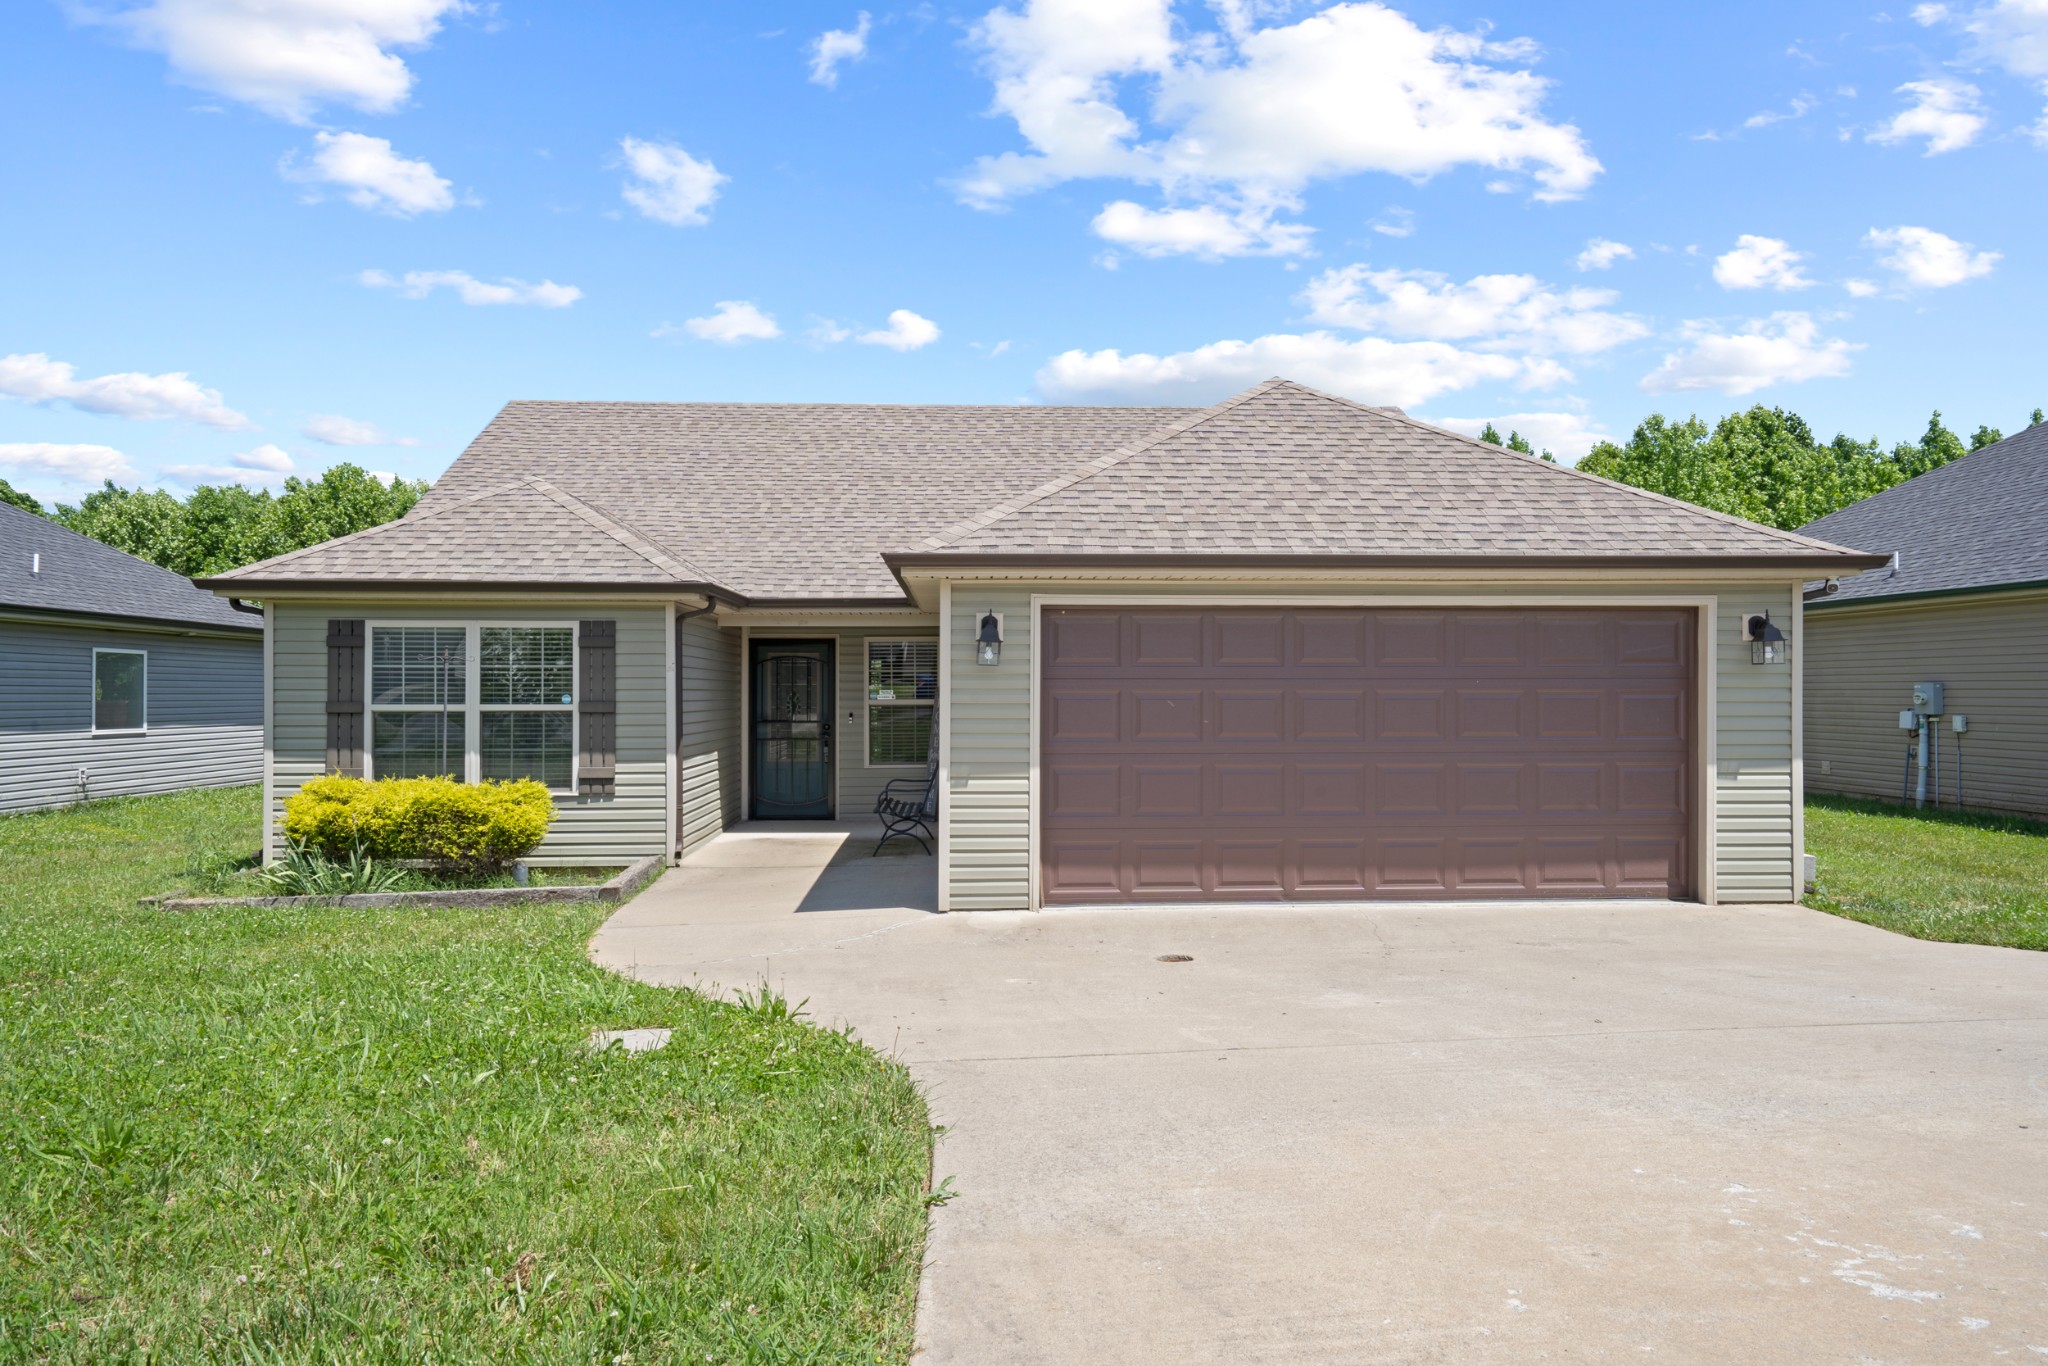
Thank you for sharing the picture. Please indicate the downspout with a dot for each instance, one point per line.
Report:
(676, 797)
(242, 606)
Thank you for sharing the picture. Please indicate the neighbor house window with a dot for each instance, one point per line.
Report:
(120, 690)
(472, 702)
(903, 687)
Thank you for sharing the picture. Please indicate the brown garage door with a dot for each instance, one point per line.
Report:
(1344, 754)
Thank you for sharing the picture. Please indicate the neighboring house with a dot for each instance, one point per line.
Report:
(1287, 647)
(117, 677)
(1965, 605)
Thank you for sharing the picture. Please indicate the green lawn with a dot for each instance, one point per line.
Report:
(270, 1136)
(1963, 878)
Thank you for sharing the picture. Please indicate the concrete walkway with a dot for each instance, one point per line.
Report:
(1497, 1134)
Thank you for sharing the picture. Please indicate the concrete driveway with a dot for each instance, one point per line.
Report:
(1445, 1134)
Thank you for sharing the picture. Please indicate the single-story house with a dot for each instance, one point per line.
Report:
(1963, 603)
(116, 677)
(1288, 647)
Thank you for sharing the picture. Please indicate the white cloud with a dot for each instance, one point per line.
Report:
(69, 463)
(1862, 289)
(906, 332)
(1370, 369)
(667, 184)
(835, 46)
(1945, 112)
(1600, 254)
(1760, 263)
(1395, 222)
(1243, 119)
(2009, 33)
(826, 332)
(1565, 435)
(1927, 259)
(266, 464)
(418, 284)
(733, 321)
(286, 57)
(1491, 312)
(1785, 348)
(1208, 231)
(35, 378)
(332, 430)
(1801, 106)
(371, 176)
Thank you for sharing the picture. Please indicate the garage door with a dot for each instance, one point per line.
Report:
(1336, 754)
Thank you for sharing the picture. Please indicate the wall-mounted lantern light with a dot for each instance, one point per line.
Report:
(1767, 644)
(988, 643)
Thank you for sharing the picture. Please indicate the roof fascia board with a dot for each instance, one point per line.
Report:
(1833, 605)
(554, 595)
(111, 621)
(355, 588)
(946, 565)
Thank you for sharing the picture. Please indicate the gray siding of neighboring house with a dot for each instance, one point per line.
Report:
(631, 824)
(1990, 654)
(858, 784)
(708, 660)
(205, 715)
(990, 764)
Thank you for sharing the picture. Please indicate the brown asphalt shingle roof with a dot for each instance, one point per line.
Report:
(804, 501)
(1286, 470)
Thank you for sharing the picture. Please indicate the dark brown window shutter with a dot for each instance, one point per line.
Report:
(345, 641)
(597, 758)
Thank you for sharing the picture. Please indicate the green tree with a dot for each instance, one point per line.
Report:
(1936, 447)
(14, 497)
(227, 525)
(1516, 442)
(1490, 434)
(2035, 420)
(346, 498)
(145, 523)
(1985, 436)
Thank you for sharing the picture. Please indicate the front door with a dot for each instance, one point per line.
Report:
(792, 724)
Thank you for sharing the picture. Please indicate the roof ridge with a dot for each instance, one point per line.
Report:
(416, 513)
(945, 536)
(1487, 447)
(625, 534)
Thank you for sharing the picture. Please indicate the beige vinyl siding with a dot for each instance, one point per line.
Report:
(1991, 656)
(857, 785)
(989, 770)
(594, 830)
(709, 760)
(205, 715)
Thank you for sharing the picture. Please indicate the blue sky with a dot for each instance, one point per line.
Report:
(246, 237)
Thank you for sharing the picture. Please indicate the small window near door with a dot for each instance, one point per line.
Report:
(903, 689)
(120, 690)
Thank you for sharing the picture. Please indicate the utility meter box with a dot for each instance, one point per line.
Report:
(1927, 699)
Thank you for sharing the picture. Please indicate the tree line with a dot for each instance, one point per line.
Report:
(223, 526)
(1766, 464)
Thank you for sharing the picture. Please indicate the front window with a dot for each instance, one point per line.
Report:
(419, 691)
(526, 700)
(120, 690)
(903, 689)
(474, 702)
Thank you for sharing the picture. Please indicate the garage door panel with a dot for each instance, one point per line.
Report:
(1250, 716)
(1408, 714)
(1080, 716)
(1275, 755)
(1164, 789)
(1076, 791)
(1331, 640)
(1166, 640)
(1166, 716)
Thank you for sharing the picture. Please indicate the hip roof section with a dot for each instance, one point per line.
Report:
(817, 502)
(1980, 522)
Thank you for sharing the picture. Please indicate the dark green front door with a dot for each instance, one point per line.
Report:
(791, 712)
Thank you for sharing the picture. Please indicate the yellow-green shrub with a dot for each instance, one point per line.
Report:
(466, 824)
